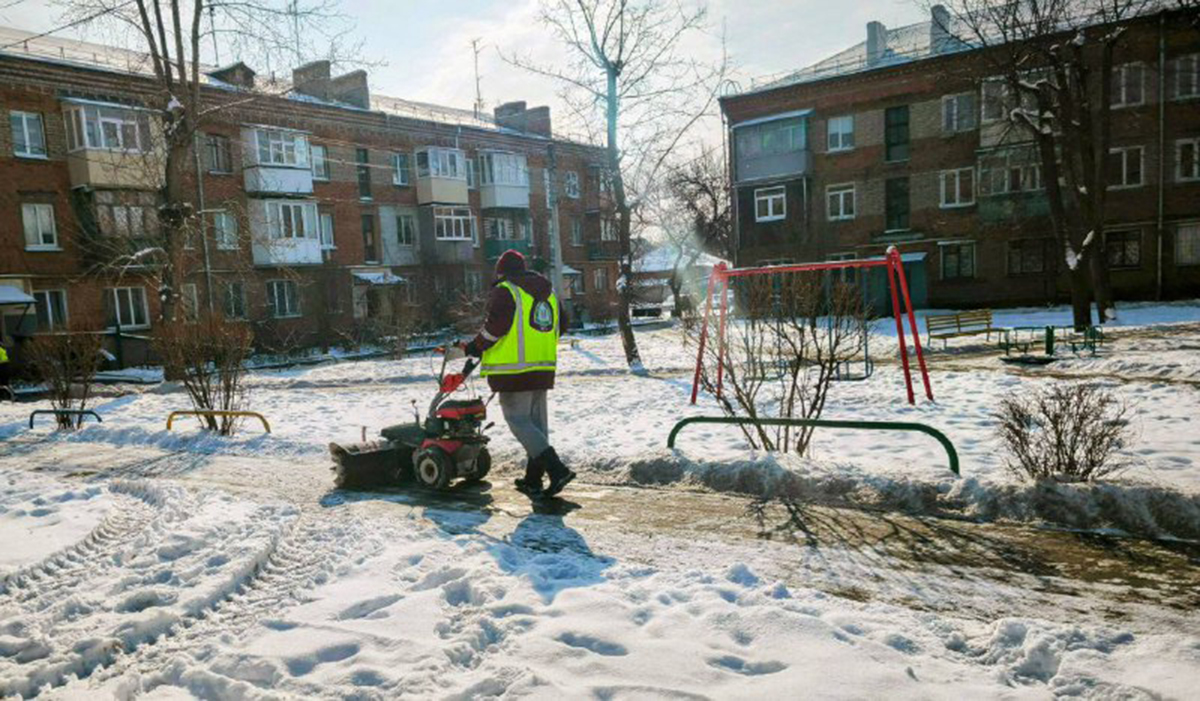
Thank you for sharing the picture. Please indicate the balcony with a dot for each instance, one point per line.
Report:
(509, 196)
(277, 163)
(115, 169)
(438, 190)
(286, 252)
(441, 176)
(278, 180)
(503, 180)
(604, 250)
(774, 165)
(113, 146)
(494, 248)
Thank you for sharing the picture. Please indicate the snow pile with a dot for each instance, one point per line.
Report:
(1140, 509)
(39, 515)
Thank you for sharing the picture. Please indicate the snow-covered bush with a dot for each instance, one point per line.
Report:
(1064, 432)
(67, 364)
(208, 356)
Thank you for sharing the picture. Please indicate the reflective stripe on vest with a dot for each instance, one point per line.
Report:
(523, 348)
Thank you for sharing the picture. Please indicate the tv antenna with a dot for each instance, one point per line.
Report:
(476, 49)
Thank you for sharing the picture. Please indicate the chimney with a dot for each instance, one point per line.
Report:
(312, 79)
(940, 38)
(876, 42)
(352, 89)
(238, 74)
(515, 116)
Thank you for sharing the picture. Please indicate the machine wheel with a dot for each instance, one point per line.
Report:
(433, 468)
(483, 465)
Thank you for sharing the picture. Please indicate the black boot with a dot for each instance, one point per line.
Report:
(560, 474)
(531, 484)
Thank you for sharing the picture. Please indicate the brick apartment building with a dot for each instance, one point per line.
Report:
(324, 206)
(901, 140)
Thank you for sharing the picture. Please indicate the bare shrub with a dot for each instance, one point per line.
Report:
(67, 363)
(783, 349)
(1065, 432)
(209, 357)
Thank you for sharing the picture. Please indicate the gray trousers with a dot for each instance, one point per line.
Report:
(527, 418)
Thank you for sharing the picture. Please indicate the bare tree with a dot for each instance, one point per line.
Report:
(785, 346)
(208, 355)
(627, 69)
(67, 364)
(695, 217)
(1052, 78)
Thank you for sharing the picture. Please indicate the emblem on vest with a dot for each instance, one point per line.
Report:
(542, 318)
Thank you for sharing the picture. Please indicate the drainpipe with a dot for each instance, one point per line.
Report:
(208, 286)
(736, 235)
(556, 259)
(1162, 149)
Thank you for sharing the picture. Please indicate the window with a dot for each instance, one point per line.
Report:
(363, 160)
(608, 230)
(29, 138)
(291, 220)
(1010, 171)
(111, 128)
(370, 252)
(840, 201)
(1030, 256)
(600, 279)
(189, 301)
(1123, 248)
(320, 162)
(406, 229)
(441, 163)
(472, 174)
(895, 133)
(283, 298)
(51, 306)
(474, 282)
(958, 187)
(399, 168)
(995, 101)
(1187, 244)
(217, 157)
(325, 220)
(505, 228)
(576, 232)
(453, 224)
(1128, 85)
(282, 148)
(958, 260)
(1125, 167)
(843, 275)
(233, 301)
(498, 168)
(1187, 76)
(1187, 160)
(770, 204)
(40, 231)
(126, 307)
(841, 133)
(577, 284)
(958, 113)
(770, 149)
(225, 231)
(572, 185)
(896, 206)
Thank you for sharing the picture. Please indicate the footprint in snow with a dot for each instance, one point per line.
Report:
(596, 645)
(731, 663)
(368, 608)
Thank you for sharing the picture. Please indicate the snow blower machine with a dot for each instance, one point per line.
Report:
(450, 443)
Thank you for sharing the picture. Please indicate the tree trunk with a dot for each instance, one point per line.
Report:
(624, 228)
(1081, 299)
(176, 210)
(1101, 284)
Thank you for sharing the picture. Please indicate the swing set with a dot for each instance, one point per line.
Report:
(718, 282)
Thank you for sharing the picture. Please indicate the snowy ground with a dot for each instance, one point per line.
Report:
(138, 561)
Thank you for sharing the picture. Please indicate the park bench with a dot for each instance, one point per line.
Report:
(946, 326)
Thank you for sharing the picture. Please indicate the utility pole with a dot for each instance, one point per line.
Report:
(478, 93)
(556, 259)
(212, 29)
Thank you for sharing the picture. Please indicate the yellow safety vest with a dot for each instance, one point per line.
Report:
(3, 355)
(531, 344)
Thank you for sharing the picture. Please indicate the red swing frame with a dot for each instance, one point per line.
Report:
(897, 285)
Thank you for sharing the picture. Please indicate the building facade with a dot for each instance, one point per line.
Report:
(902, 141)
(327, 211)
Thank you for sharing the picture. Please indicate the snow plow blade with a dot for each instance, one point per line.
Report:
(370, 464)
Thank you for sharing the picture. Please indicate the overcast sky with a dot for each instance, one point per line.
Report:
(426, 52)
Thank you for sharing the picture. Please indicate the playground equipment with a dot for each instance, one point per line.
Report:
(718, 283)
(201, 412)
(64, 412)
(951, 453)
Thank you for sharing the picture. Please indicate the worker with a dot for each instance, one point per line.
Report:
(5, 367)
(518, 345)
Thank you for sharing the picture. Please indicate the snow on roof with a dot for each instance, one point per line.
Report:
(378, 277)
(568, 270)
(662, 260)
(13, 295)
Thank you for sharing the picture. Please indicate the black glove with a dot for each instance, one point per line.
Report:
(471, 349)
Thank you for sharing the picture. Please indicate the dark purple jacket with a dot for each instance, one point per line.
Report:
(499, 317)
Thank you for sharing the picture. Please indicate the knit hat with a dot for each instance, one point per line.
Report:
(510, 263)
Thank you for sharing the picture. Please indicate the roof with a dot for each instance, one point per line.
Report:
(378, 277)
(13, 295)
(662, 260)
(83, 54)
